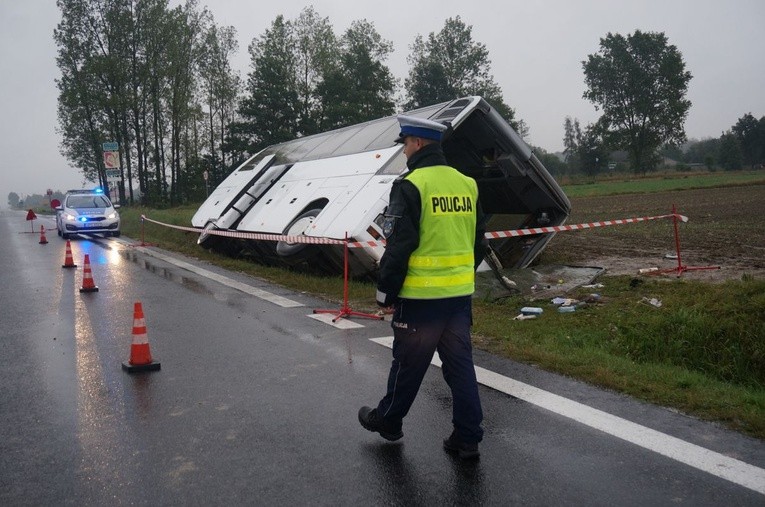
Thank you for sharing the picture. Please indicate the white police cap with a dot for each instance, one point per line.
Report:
(419, 127)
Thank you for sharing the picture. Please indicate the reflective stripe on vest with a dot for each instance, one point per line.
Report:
(442, 265)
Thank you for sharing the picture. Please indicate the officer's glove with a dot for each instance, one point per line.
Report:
(385, 300)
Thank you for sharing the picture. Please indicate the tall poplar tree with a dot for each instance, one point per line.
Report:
(220, 86)
(83, 120)
(315, 52)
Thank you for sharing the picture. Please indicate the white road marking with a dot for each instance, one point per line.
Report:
(229, 282)
(717, 464)
(340, 324)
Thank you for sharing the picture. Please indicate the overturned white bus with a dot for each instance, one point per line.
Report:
(337, 183)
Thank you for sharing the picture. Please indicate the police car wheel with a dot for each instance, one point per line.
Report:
(296, 228)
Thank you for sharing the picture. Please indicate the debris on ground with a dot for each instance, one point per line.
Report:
(593, 298)
(652, 301)
(538, 283)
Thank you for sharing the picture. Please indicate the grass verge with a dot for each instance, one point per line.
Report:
(702, 351)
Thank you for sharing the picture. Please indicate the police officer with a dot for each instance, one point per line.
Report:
(434, 229)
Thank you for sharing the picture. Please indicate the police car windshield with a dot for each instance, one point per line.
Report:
(87, 201)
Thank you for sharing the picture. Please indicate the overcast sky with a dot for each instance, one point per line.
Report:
(536, 49)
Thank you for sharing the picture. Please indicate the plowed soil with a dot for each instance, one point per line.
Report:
(726, 228)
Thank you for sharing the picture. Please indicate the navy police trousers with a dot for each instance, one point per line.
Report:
(421, 327)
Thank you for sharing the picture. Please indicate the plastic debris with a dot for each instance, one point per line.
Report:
(531, 310)
(652, 301)
(524, 317)
(643, 271)
(564, 301)
(508, 281)
(593, 286)
(566, 309)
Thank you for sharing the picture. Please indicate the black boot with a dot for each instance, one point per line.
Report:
(463, 449)
(371, 420)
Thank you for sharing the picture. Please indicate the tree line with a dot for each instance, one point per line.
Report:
(640, 82)
(739, 147)
(159, 82)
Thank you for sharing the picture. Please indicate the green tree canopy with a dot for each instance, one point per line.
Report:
(751, 136)
(13, 199)
(219, 89)
(705, 152)
(585, 150)
(572, 133)
(130, 73)
(731, 157)
(360, 87)
(270, 107)
(314, 49)
(640, 83)
(450, 64)
(283, 96)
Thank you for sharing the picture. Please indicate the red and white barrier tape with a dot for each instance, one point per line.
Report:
(371, 244)
(251, 235)
(576, 227)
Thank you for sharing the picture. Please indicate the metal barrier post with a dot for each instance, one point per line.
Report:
(680, 269)
(345, 310)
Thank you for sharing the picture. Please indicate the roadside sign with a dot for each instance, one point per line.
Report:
(111, 159)
(110, 146)
(112, 175)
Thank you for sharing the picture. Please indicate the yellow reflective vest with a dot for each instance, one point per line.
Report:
(442, 266)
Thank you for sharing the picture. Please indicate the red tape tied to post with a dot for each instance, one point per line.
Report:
(371, 244)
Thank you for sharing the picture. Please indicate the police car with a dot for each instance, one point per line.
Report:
(337, 183)
(87, 212)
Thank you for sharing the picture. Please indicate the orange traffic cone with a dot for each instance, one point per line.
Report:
(140, 353)
(87, 278)
(68, 260)
(43, 240)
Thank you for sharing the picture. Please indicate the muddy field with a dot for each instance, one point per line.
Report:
(726, 228)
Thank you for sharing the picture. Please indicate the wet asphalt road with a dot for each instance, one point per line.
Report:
(256, 404)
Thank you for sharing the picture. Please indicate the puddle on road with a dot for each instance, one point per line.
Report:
(171, 274)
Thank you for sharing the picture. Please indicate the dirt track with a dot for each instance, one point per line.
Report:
(726, 228)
